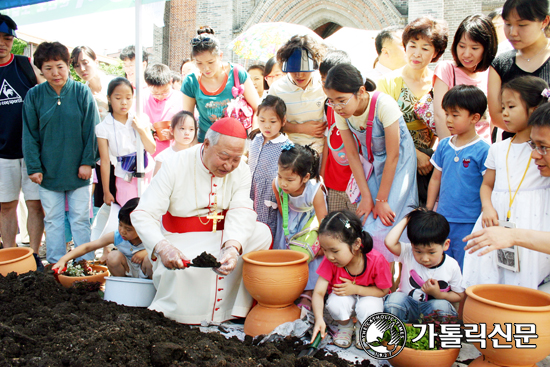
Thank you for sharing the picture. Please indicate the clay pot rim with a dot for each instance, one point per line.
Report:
(28, 250)
(506, 287)
(94, 267)
(246, 258)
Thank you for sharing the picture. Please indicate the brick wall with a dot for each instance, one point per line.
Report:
(182, 27)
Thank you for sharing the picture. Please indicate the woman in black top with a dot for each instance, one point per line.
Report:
(525, 22)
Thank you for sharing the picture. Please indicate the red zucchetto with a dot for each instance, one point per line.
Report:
(230, 127)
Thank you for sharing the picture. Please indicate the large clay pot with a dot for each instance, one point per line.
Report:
(18, 259)
(499, 304)
(274, 278)
(409, 357)
(67, 281)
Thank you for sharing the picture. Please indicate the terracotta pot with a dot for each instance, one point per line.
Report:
(409, 357)
(274, 278)
(159, 126)
(18, 259)
(499, 304)
(67, 281)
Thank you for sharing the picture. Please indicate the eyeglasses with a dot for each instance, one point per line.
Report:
(274, 76)
(338, 105)
(540, 150)
(207, 41)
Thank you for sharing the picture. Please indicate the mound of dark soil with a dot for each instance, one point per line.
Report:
(44, 324)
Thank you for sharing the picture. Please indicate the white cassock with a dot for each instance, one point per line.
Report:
(182, 185)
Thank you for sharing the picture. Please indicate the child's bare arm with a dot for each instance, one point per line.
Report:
(320, 205)
(392, 239)
(82, 250)
(105, 167)
(433, 189)
(431, 287)
(139, 256)
(277, 196)
(489, 214)
(348, 288)
(318, 305)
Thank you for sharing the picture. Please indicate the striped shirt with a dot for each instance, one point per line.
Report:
(302, 105)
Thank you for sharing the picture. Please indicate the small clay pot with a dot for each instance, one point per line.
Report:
(409, 357)
(67, 281)
(499, 304)
(274, 278)
(18, 259)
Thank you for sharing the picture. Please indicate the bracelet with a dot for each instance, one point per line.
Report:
(381, 200)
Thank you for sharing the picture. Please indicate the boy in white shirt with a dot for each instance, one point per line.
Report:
(430, 280)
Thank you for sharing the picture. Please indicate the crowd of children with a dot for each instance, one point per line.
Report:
(334, 155)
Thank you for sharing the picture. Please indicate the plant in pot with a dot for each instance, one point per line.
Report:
(422, 353)
(82, 271)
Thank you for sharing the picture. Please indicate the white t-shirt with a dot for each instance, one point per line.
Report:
(165, 155)
(387, 111)
(122, 139)
(414, 275)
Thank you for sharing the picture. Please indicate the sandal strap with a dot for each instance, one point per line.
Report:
(306, 296)
(344, 334)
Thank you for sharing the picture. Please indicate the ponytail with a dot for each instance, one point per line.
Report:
(345, 78)
(302, 160)
(346, 227)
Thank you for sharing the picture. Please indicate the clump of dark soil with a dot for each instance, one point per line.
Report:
(44, 324)
(206, 260)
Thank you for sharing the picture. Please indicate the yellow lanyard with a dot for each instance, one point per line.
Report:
(512, 198)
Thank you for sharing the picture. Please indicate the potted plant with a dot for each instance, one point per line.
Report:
(419, 353)
(82, 271)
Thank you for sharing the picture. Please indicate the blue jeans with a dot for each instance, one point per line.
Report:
(409, 309)
(53, 203)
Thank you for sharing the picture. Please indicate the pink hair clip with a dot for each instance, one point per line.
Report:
(546, 93)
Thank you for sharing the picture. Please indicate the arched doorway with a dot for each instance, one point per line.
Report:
(327, 29)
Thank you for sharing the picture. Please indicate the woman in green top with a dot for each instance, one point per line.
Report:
(209, 88)
(60, 147)
(425, 40)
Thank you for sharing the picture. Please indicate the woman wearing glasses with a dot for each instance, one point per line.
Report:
(425, 40)
(209, 89)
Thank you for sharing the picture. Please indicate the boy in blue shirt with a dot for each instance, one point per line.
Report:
(130, 260)
(459, 165)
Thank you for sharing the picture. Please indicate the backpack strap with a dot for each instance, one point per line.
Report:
(236, 79)
(370, 120)
(284, 210)
(25, 65)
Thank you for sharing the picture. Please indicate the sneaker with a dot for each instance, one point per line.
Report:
(39, 265)
(343, 336)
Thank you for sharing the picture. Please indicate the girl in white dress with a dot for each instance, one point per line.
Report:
(513, 191)
(183, 128)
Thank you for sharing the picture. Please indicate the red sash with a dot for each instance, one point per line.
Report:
(190, 224)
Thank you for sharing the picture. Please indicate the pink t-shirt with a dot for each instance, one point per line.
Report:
(163, 111)
(449, 73)
(377, 272)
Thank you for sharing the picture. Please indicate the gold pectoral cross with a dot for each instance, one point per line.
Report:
(215, 216)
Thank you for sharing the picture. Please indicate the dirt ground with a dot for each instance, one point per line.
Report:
(44, 324)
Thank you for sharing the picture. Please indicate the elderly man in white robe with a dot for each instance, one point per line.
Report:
(202, 195)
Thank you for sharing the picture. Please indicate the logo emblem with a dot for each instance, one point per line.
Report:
(7, 92)
(383, 335)
(466, 162)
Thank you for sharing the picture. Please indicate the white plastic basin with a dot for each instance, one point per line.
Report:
(133, 292)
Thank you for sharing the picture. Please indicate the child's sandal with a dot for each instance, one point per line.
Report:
(343, 336)
(358, 336)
